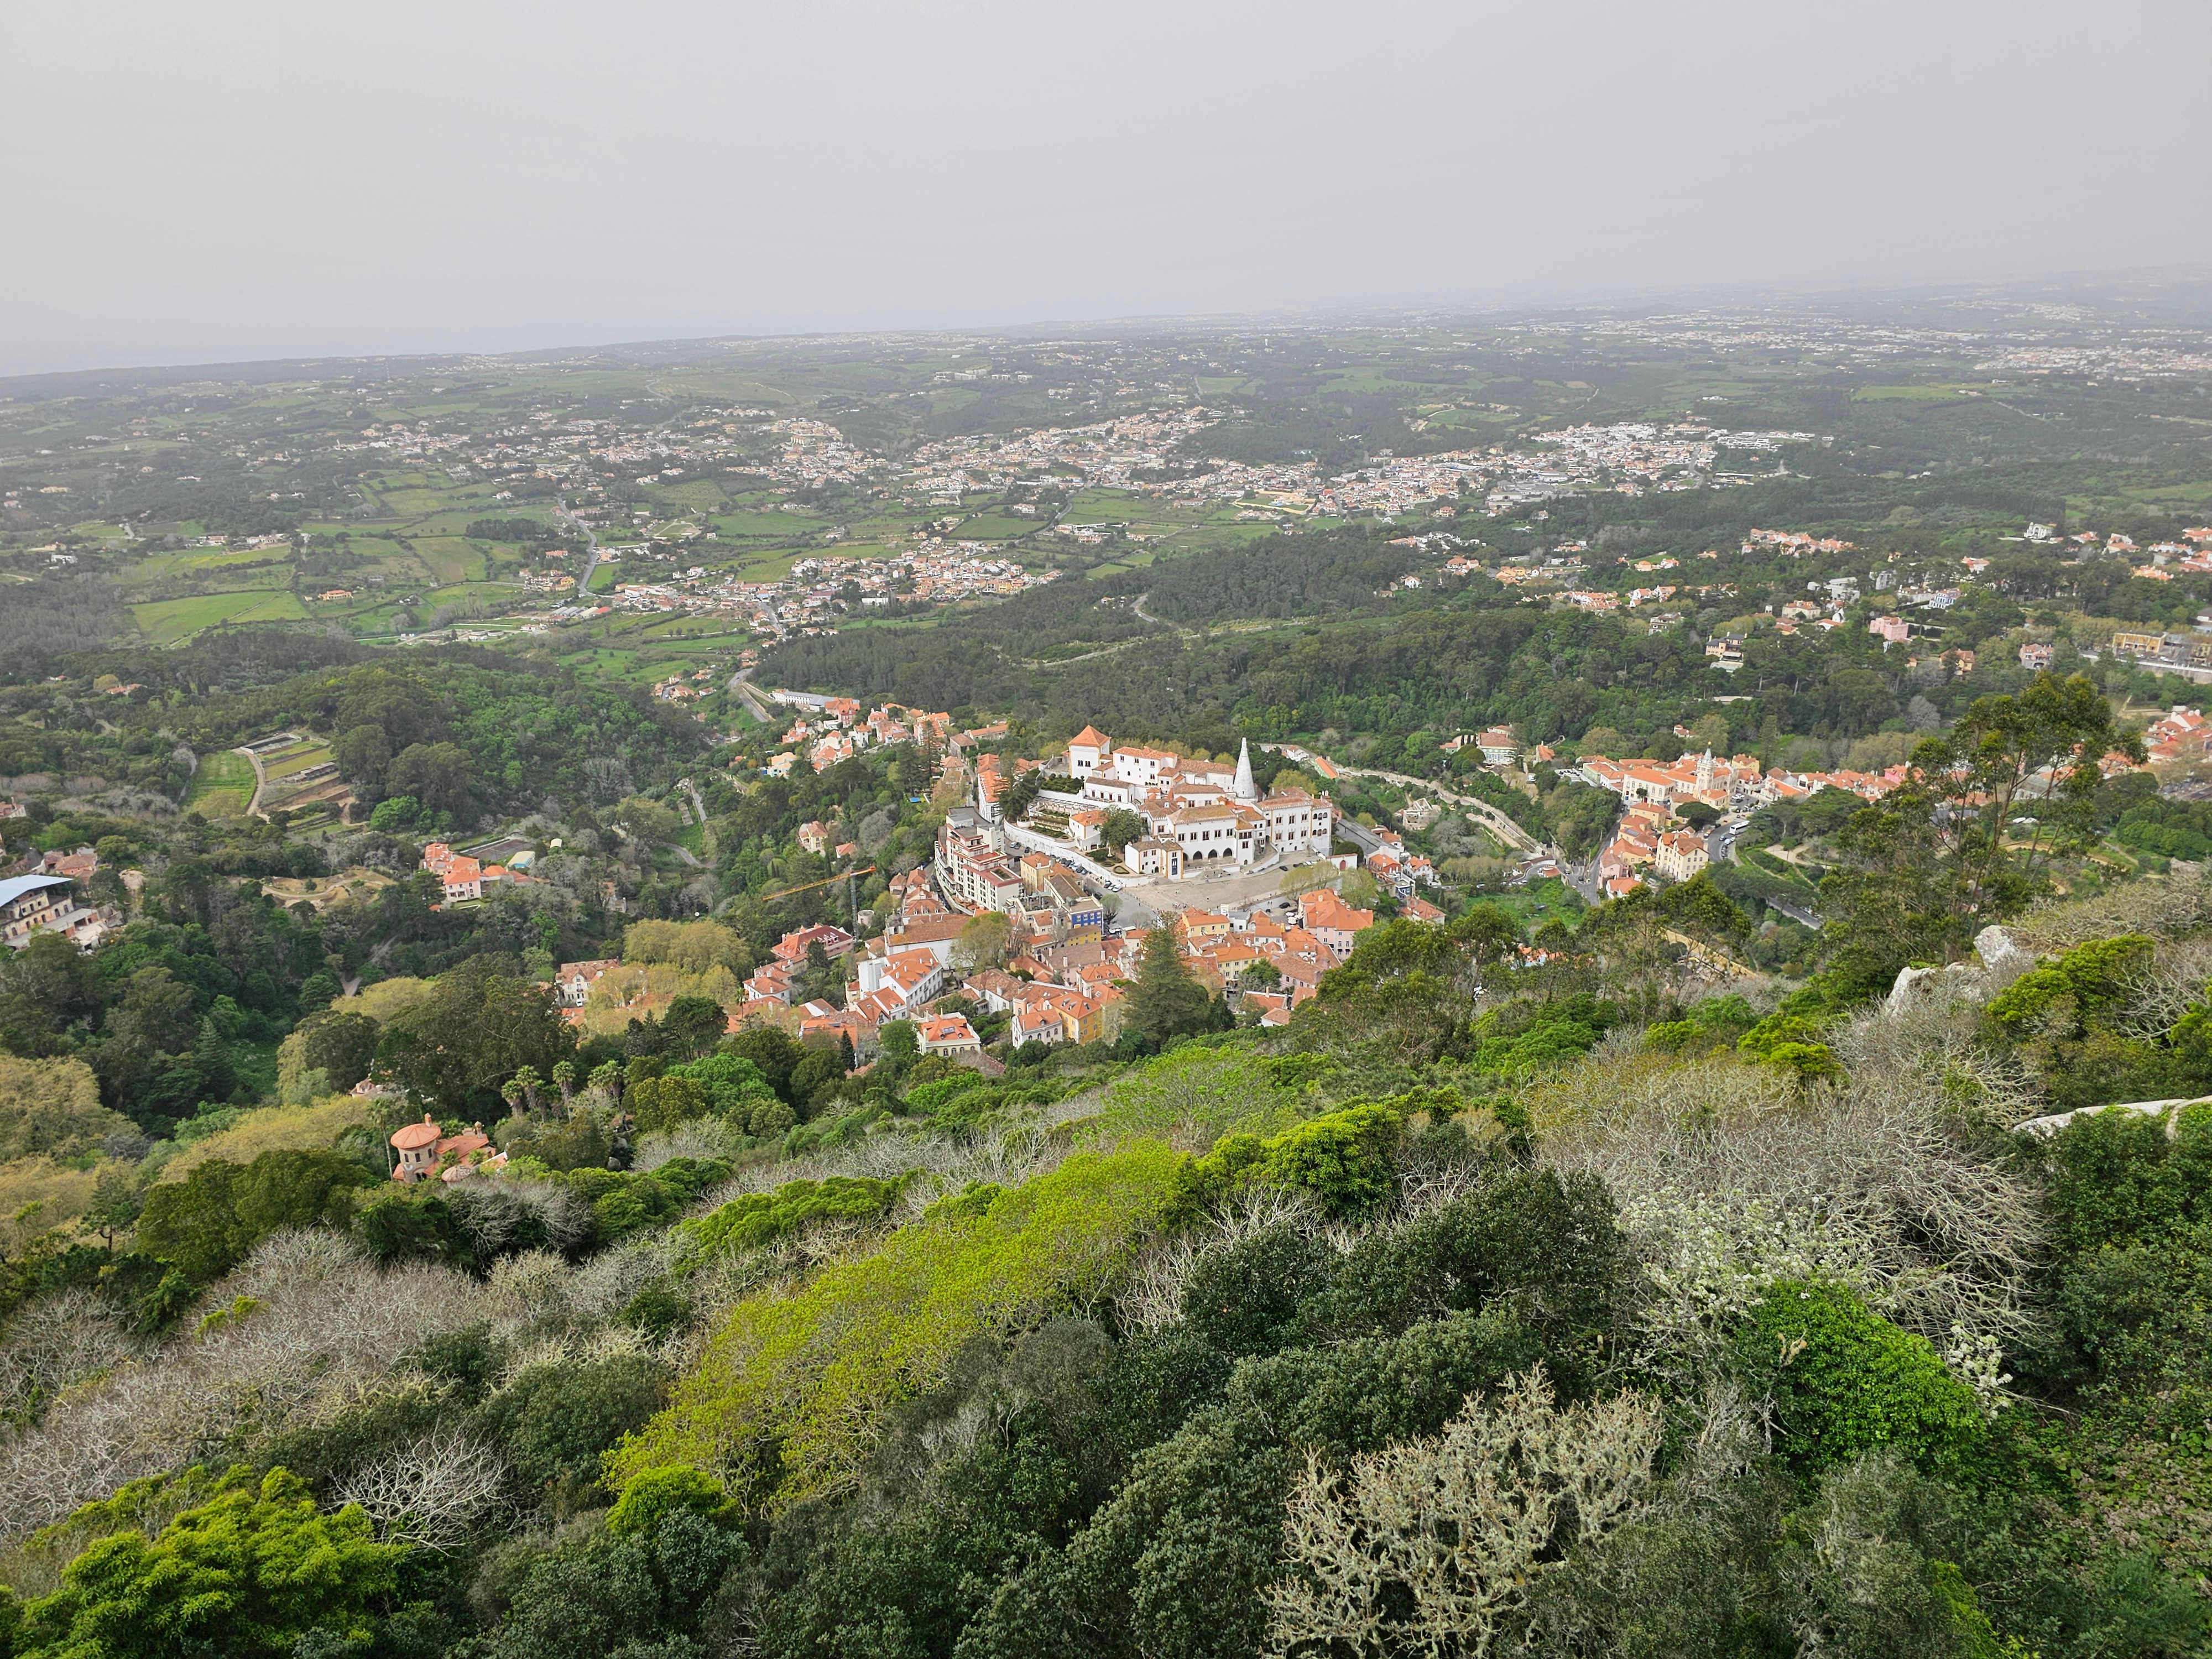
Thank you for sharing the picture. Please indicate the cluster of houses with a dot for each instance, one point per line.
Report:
(827, 730)
(1650, 836)
(2186, 653)
(2180, 735)
(467, 878)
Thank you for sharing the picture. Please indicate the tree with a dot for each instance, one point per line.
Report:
(556, 1420)
(2036, 755)
(1581, 816)
(692, 1026)
(118, 1197)
(341, 1046)
(479, 1026)
(204, 1225)
(1489, 932)
(897, 1039)
(52, 1106)
(649, 821)
(364, 759)
(1401, 946)
(777, 1054)
(1700, 908)
(1711, 731)
(983, 942)
(1433, 1541)
(1359, 888)
(1845, 1381)
(254, 1571)
(693, 946)
(44, 987)
(1020, 795)
(440, 775)
(1122, 827)
(1165, 1001)
(520, 1091)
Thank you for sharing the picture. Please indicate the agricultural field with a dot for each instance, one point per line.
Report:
(222, 788)
(171, 621)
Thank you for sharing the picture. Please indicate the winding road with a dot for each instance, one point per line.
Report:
(1506, 831)
(590, 541)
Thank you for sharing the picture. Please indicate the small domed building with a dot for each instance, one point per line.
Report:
(419, 1147)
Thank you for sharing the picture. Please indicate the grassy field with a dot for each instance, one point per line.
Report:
(278, 604)
(1887, 394)
(222, 786)
(995, 527)
(169, 564)
(171, 621)
(450, 559)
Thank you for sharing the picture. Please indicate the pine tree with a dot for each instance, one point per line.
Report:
(1165, 1001)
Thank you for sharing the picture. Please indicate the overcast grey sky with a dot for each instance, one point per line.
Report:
(241, 178)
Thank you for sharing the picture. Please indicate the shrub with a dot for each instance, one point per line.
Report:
(1346, 1159)
(256, 1570)
(2087, 980)
(1546, 1246)
(757, 1219)
(2141, 1313)
(2116, 1178)
(556, 1420)
(789, 1395)
(1526, 1038)
(1244, 1297)
(205, 1224)
(656, 1494)
(1846, 1381)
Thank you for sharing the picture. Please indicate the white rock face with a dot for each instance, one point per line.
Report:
(1908, 982)
(1998, 949)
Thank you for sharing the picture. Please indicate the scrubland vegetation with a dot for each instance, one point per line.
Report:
(1563, 1311)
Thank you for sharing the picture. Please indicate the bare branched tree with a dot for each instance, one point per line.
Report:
(1450, 1532)
(2166, 909)
(328, 1329)
(60, 1340)
(1728, 1179)
(431, 1493)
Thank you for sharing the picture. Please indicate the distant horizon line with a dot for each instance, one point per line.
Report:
(1375, 311)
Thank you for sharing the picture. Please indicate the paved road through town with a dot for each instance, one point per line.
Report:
(591, 542)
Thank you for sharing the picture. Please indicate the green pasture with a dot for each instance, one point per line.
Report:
(450, 559)
(171, 621)
(769, 523)
(222, 786)
(996, 527)
(157, 565)
(1945, 393)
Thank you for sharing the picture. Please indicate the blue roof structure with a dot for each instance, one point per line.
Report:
(16, 886)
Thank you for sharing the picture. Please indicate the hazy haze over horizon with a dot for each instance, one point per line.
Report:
(242, 179)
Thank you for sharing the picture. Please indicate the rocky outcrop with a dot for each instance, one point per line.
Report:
(2000, 959)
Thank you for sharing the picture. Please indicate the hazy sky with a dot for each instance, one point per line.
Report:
(240, 179)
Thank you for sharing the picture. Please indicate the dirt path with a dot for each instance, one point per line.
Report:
(260, 780)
